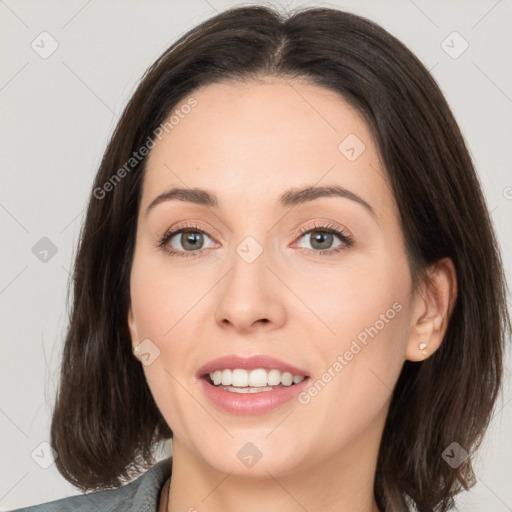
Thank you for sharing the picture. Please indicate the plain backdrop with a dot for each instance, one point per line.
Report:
(58, 111)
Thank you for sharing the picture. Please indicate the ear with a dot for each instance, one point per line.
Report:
(433, 304)
(133, 330)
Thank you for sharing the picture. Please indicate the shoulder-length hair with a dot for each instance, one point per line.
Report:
(105, 421)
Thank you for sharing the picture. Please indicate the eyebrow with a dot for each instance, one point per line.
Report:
(289, 198)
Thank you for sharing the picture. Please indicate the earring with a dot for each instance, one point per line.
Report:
(423, 348)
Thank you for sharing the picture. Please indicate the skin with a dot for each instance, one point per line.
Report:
(248, 144)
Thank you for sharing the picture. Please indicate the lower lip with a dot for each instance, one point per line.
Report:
(251, 404)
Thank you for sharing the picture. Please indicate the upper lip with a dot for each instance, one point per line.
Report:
(248, 363)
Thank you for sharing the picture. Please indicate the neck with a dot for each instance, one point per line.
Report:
(342, 482)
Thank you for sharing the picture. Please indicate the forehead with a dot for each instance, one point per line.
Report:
(259, 136)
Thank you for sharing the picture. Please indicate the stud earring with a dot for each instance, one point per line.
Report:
(423, 348)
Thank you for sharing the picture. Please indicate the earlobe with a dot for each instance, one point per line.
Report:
(433, 306)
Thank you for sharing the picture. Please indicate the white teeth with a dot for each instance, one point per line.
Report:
(216, 377)
(274, 378)
(226, 378)
(253, 380)
(286, 379)
(258, 378)
(239, 378)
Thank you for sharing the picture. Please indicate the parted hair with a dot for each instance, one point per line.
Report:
(105, 421)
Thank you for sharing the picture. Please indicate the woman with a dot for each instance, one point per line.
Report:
(288, 234)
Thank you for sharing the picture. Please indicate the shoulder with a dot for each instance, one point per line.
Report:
(141, 495)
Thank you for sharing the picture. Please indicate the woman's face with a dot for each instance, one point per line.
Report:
(319, 282)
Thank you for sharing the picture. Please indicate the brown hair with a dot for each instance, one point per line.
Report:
(105, 421)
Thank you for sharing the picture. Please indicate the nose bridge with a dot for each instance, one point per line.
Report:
(249, 293)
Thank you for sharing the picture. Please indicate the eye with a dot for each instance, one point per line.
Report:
(185, 241)
(322, 237)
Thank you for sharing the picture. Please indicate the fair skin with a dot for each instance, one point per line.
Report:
(249, 144)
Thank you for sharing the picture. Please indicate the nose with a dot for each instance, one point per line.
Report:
(250, 297)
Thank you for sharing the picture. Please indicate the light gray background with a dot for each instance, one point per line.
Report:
(57, 115)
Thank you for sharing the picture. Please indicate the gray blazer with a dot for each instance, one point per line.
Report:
(141, 495)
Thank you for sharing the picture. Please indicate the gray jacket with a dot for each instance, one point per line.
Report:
(141, 495)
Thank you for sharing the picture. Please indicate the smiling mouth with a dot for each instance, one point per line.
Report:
(239, 380)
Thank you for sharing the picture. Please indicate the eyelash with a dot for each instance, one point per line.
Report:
(346, 239)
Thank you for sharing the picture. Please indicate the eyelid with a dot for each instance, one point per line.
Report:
(191, 226)
(342, 233)
(325, 225)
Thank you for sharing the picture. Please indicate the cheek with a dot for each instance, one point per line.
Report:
(361, 299)
(156, 306)
(160, 297)
(364, 312)
(165, 304)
